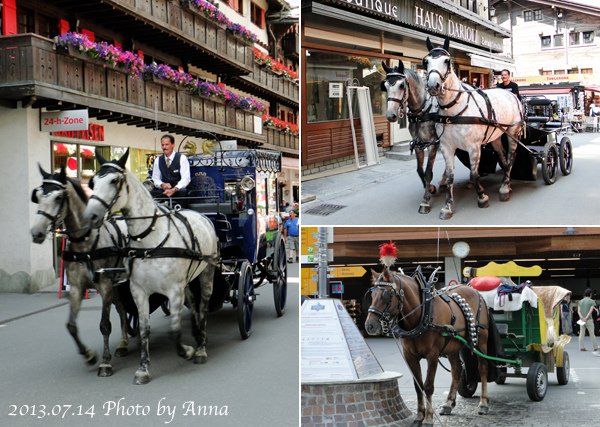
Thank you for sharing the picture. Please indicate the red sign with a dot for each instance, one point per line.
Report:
(93, 133)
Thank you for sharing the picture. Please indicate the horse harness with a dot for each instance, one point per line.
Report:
(420, 115)
(391, 324)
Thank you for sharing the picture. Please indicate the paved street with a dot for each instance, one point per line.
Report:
(390, 193)
(574, 404)
(252, 382)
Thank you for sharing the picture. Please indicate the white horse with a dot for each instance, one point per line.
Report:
(468, 119)
(406, 89)
(168, 250)
(62, 202)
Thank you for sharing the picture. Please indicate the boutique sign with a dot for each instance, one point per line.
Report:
(422, 15)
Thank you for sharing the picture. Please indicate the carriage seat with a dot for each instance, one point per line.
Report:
(538, 119)
(212, 208)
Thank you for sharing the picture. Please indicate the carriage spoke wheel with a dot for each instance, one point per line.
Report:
(549, 163)
(565, 156)
(562, 374)
(245, 299)
(466, 388)
(280, 282)
(537, 381)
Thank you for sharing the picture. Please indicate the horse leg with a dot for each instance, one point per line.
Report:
(424, 207)
(206, 287)
(415, 369)
(142, 375)
(474, 158)
(483, 407)
(506, 161)
(432, 364)
(456, 367)
(448, 153)
(105, 291)
(176, 298)
(121, 350)
(75, 296)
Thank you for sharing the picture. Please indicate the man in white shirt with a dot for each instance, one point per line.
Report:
(170, 173)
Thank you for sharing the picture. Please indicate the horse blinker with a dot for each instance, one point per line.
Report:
(34, 196)
(382, 87)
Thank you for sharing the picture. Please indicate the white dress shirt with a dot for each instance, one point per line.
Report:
(184, 170)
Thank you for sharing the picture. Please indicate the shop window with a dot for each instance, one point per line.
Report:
(528, 15)
(537, 15)
(257, 15)
(587, 71)
(327, 75)
(25, 20)
(573, 71)
(559, 72)
(588, 37)
(47, 26)
(546, 72)
(546, 41)
(558, 40)
(574, 39)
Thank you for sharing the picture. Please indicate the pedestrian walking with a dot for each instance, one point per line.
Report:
(565, 317)
(291, 232)
(585, 309)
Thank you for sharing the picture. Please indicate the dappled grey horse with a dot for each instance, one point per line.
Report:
(168, 250)
(469, 118)
(61, 203)
(406, 89)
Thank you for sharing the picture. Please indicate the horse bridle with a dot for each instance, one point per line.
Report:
(401, 102)
(448, 68)
(108, 206)
(385, 317)
(54, 219)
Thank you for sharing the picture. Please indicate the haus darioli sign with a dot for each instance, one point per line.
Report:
(435, 20)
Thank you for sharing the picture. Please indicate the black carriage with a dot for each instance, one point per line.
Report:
(544, 142)
(237, 190)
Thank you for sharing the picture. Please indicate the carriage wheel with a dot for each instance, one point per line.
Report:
(280, 283)
(549, 163)
(562, 374)
(245, 299)
(466, 388)
(565, 156)
(537, 381)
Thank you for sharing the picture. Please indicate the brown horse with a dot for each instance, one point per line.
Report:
(427, 319)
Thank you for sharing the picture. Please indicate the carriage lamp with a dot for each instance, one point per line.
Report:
(247, 183)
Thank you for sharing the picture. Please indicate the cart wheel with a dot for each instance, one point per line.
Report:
(501, 376)
(565, 156)
(466, 388)
(245, 300)
(537, 381)
(562, 374)
(549, 163)
(280, 283)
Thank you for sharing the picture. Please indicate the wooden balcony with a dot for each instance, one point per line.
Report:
(290, 45)
(172, 26)
(271, 85)
(281, 141)
(33, 72)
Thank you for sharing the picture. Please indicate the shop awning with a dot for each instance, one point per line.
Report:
(593, 88)
(494, 63)
(541, 91)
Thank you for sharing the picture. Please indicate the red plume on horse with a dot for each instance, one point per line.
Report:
(427, 320)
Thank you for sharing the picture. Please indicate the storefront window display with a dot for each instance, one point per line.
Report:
(327, 77)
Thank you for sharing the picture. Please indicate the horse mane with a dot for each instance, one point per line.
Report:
(78, 189)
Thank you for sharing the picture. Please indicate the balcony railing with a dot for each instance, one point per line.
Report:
(285, 142)
(272, 85)
(31, 69)
(173, 27)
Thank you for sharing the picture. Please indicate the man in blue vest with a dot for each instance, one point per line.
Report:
(170, 173)
(291, 232)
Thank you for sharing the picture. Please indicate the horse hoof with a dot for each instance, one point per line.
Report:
(200, 360)
(121, 352)
(417, 423)
(484, 202)
(483, 410)
(186, 352)
(504, 196)
(446, 410)
(445, 214)
(424, 209)
(141, 377)
(432, 189)
(91, 358)
(105, 370)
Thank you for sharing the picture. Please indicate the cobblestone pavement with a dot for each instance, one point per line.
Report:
(574, 404)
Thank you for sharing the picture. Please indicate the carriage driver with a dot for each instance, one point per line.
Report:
(170, 173)
(507, 84)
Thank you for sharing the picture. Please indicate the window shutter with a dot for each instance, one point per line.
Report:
(140, 54)
(9, 17)
(90, 34)
(63, 26)
(117, 44)
(262, 18)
